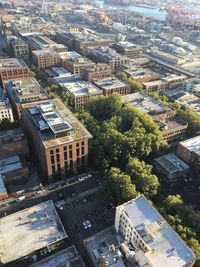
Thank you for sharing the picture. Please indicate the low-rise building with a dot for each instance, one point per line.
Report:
(151, 239)
(109, 56)
(174, 80)
(96, 72)
(62, 139)
(148, 105)
(191, 85)
(12, 68)
(57, 72)
(12, 141)
(189, 150)
(128, 49)
(22, 91)
(140, 74)
(155, 86)
(46, 58)
(81, 92)
(17, 47)
(168, 58)
(110, 85)
(5, 108)
(171, 166)
(29, 231)
(75, 63)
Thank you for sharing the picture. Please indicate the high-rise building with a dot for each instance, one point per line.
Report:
(58, 140)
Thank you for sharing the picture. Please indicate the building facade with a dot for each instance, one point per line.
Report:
(5, 108)
(99, 71)
(128, 49)
(45, 58)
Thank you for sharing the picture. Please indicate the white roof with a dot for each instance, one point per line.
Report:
(192, 144)
(168, 249)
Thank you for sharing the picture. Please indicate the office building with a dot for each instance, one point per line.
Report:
(62, 139)
(171, 166)
(22, 91)
(46, 58)
(81, 92)
(189, 150)
(12, 68)
(128, 49)
(75, 63)
(96, 72)
(5, 108)
(29, 231)
(109, 56)
(12, 141)
(110, 85)
(17, 47)
(152, 241)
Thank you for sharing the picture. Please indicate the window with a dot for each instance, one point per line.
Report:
(77, 152)
(52, 160)
(77, 144)
(51, 152)
(58, 157)
(57, 150)
(65, 155)
(70, 146)
(53, 169)
(70, 154)
(58, 166)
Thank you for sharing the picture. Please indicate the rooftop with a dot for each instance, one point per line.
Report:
(109, 83)
(171, 163)
(45, 52)
(192, 144)
(4, 102)
(43, 42)
(66, 79)
(9, 63)
(26, 231)
(188, 100)
(59, 71)
(25, 90)
(167, 248)
(55, 123)
(68, 257)
(128, 45)
(81, 88)
(145, 103)
(171, 123)
(15, 133)
(107, 53)
(154, 83)
(10, 164)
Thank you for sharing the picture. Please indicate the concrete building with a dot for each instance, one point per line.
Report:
(46, 58)
(189, 150)
(109, 56)
(22, 91)
(29, 231)
(81, 41)
(148, 105)
(75, 63)
(110, 85)
(62, 139)
(41, 42)
(5, 108)
(128, 49)
(67, 257)
(12, 141)
(168, 58)
(17, 47)
(96, 72)
(57, 72)
(13, 169)
(153, 242)
(81, 92)
(12, 68)
(171, 166)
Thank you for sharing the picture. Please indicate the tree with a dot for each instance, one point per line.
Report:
(122, 75)
(135, 85)
(141, 175)
(119, 185)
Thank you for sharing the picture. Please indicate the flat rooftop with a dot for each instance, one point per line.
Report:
(17, 132)
(188, 100)
(128, 45)
(59, 71)
(26, 231)
(192, 144)
(68, 257)
(171, 163)
(107, 53)
(70, 55)
(154, 83)
(81, 88)
(172, 123)
(167, 248)
(45, 52)
(55, 123)
(25, 90)
(9, 63)
(110, 83)
(67, 79)
(10, 164)
(145, 103)
(98, 245)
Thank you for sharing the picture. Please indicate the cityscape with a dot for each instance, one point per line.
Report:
(99, 133)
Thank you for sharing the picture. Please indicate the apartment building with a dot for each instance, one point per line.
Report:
(11, 68)
(128, 49)
(22, 91)
(5, 108)
(96, 72)
(110, 85)
(58, 140)
(17, 47)
(151, 239)
(109, 56)
(45, 58)
(75, 63)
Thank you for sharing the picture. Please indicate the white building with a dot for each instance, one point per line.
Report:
(5, 108)
(155, 243)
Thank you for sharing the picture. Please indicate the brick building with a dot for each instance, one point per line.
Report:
(128, 49)
(45, 58)
(99, 71)
(58, 140)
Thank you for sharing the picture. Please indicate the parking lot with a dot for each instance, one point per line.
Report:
(87, 215)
